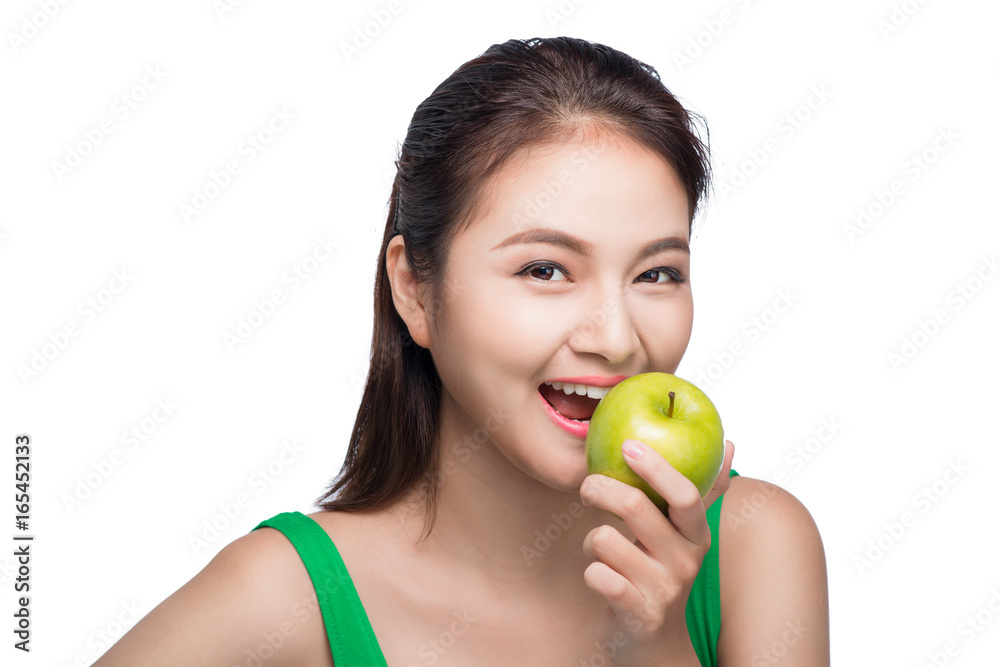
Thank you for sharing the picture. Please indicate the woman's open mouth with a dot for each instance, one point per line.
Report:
(571, 406)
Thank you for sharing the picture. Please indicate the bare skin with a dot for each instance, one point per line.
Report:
(471, 593)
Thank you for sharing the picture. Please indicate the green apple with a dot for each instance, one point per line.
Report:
(667, 413)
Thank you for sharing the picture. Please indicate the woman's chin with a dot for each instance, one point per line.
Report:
(569, 479)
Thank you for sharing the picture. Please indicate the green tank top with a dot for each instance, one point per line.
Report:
(353, 642)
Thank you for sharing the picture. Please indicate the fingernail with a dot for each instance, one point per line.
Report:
(633, 449)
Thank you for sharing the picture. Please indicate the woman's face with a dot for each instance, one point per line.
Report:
(576, 267)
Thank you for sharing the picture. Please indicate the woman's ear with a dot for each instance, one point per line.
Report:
(407, 292)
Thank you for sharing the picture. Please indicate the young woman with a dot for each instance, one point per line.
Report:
(536, 250)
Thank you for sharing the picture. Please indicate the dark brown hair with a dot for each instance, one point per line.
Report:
(517, 94)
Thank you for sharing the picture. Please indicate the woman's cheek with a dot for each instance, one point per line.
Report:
(666, 331)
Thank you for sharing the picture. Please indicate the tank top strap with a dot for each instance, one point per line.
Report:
(704, 611)
(352, 640)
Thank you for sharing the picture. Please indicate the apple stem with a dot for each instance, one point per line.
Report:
(670, 410)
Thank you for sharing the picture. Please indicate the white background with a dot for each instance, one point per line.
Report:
(866, 96)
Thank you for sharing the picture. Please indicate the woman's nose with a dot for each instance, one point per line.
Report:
(606, 328)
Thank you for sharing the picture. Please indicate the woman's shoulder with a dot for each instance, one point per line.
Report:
(254, 598)
(341, 525)
(772, 571)
(756, 509)
(371, 531)
(763, 520)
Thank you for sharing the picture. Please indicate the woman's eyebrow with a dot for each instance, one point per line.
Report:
(581, 247)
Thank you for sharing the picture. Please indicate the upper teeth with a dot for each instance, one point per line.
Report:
(581, 389)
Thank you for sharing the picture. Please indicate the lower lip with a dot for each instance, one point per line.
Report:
(579, 429)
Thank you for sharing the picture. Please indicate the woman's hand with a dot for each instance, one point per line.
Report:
(647, 582)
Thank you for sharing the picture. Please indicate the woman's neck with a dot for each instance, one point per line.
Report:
(494, 518)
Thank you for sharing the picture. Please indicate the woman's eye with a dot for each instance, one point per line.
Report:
(662, 274)
(553, 273)
(543, 272)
